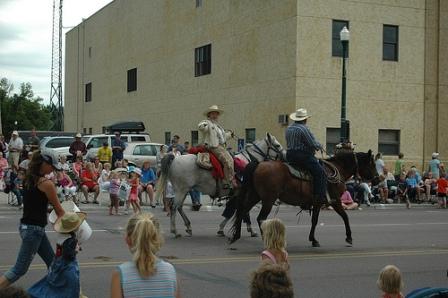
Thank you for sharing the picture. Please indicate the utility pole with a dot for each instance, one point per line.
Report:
(56, 67)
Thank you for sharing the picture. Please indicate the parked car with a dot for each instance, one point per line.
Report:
(56, 146)
(137, 153)
(94, 142)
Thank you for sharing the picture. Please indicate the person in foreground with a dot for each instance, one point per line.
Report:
(390, 282)
(146, 275)
(274, 238)
(38, 191)
(271, 281)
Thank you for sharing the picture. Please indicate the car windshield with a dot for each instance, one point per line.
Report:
(84, 139)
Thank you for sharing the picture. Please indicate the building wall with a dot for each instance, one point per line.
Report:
(253, 65)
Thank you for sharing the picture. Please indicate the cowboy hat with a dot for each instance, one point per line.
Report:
(137, 171)
(15, 133)
(299, 115)
(435, 155)
(213, 108)
(78, 135)
(69, 222)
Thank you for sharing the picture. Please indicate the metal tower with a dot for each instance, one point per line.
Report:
(56, 68)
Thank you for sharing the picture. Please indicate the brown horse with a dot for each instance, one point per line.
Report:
(271, 180)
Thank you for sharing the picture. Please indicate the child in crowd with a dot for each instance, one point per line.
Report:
(65, 183)
(442, 189)
(134, 182)
(274, 238)
(18, 187)
(347, 201)
(114, 189)
(146, 274)
(390, 282)
(62, 164)
(104, 180)
(62, 279)
(271, 281)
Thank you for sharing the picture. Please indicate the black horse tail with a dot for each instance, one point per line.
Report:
(241, 200)
(166, 162)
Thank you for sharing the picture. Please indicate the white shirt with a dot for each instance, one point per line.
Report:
(16, 145)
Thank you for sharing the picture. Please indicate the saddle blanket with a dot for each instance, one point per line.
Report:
(299, 174)
(217, 171)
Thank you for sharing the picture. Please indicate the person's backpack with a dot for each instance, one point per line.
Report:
(429, 293)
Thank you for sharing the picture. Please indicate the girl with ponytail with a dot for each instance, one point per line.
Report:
(146, 275)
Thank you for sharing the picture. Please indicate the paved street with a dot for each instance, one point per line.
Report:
(415, 240)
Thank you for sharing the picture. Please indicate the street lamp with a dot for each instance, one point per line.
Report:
(345, 124)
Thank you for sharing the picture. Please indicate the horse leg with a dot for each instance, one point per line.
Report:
(246, 220)
(248, 202)
(264, 212)
(186, 220)
(177, 206)
(339, 210)
(314, 218)
(173, 220)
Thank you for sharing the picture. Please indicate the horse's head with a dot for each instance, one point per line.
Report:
(366, 167)
(274, 148)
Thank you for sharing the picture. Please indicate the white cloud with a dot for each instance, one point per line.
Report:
(25, 36)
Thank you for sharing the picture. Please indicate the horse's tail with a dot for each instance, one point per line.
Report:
(166, 162)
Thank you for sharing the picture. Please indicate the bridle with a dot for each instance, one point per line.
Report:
(266, 156)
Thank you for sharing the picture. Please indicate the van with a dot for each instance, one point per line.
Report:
(94, 142)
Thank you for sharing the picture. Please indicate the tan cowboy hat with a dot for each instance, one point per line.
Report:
(213, 108)
(299, 115)
(69, 222)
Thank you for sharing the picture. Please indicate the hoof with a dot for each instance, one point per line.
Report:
(220, 233)
(349, 242)
(316, 244)
(231, 240)
(253, 234)
(189, 232)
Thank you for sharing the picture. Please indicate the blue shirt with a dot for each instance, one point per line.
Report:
(434, 168)
(412, 182)
(148, 176)
(116, 153)
(299, 137)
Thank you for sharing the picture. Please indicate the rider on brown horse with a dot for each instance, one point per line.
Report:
(301, 147)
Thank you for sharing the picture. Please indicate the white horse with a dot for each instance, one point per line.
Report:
(184, 174)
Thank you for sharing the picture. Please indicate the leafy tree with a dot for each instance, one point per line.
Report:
(27, 110)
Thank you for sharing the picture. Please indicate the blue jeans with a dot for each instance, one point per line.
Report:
(34, 240)
(18, 195)
(310, 163)
(195, 197)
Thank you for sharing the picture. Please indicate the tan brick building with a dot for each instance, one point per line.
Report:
(164, 61)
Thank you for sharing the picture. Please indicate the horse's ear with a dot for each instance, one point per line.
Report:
(268, 136)
(369, 152)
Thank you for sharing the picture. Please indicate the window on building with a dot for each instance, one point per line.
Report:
(250, 135)
(88, 97)
(90, 52)
(198, 3)
(390, 43)
(90, 130)
(132, 79)
(84, 131)
(333, 138)
(194, 138)
(336, 48)
(389, 141)
(104, 129)
(167, 137)
(203, 60)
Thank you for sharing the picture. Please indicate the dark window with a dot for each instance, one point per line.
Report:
(390, 43)
(333, 138)
(389, 141)
(203, 60)
(59, 142)
(138, 139)
(84, 131)
(97, 142)
(88, 92)
(250, 135)
(167, 137)
(132, 79)
(103, 129)
(90, 52)
(148, 150)
(194, 138)
(336, 49)
(90, 131)
(198, 3)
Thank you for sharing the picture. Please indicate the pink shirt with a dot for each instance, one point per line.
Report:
(346, 198)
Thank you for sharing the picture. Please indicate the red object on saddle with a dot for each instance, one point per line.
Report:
(239, 164)
(217, 171)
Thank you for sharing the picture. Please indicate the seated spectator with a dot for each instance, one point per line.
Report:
(366, 192)
(347, 201)
(402, 189)
(442, 189)
(271, 281)
(3, 165)
(65, 183)
(104, 180)
(390, 282)
(17, 188)
(146, 274)
(430, 186)
(97, 166)
(24, 164)
(413, 187)
(89, 180)
(63, 164)
(147, 182)
(78, 167)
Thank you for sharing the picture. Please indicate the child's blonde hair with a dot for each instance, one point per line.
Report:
(107, 165)
(274, 234)
(143, 233)
(389, 280)
(114, 175)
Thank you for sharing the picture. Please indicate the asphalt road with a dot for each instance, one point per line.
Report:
(415, 240)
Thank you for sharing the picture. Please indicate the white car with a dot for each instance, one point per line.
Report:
(95, 142)
(56, 146)
(137, 153)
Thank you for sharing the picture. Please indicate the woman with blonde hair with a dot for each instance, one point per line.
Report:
(390, 282)
(274, 238)
(146, 275)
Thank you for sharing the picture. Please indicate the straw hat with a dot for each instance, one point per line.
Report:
(299, 115)
(78, 135)
(15, 133)
(69, 222)
(435, 155)
(213, 108)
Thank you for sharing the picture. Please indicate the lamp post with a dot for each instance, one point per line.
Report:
(345, 126)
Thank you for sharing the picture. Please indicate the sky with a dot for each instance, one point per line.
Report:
(25, 38)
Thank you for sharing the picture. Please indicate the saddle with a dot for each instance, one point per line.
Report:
(297, 172)
(331, 172)
(208, 161)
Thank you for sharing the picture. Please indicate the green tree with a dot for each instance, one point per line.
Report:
(23, 107)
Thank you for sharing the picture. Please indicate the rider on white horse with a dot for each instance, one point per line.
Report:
(214, 138)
